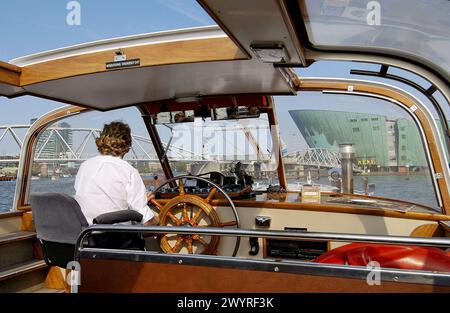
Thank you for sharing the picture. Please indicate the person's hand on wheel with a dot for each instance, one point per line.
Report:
(150, 196)
(155, 220)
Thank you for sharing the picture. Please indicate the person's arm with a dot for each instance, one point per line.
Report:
(137, 199)
(155, 219)
(153, 222)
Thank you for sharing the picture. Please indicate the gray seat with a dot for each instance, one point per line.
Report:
(59, 220)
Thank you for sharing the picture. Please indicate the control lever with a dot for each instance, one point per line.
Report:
(254, 246)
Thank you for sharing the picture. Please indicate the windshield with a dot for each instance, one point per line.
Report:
(205, 146)
(390, 157)
(66, 144)
(418, 29)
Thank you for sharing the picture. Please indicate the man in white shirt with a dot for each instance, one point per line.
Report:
(106, 183)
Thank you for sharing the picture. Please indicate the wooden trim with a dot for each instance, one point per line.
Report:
(100, 275)
(24, 208)
(338, 209)
(273, 122)
(428, 230)
(22, 186)
(7, 215)
(320, 84)
(264, 246)
(55, 279)
(330, 208)
(186, 51)
(10, 67)
(9, 74)
(360, 196)
(158, 146)
(27, 222)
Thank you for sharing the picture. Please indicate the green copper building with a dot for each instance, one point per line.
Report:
(378, 141)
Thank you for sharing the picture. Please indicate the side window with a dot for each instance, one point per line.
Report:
(63, 146)
(389, 151)
(15, 116)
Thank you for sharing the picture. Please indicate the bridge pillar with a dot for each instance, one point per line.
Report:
(43, 170)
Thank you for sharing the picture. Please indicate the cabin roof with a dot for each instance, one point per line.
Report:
(222, 60)
(173, 64)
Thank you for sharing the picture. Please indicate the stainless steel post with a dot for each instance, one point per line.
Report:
(347, 154)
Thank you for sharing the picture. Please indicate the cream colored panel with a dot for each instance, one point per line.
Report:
(315, 222)
(253, 21)
(114, 89)
(10, 225)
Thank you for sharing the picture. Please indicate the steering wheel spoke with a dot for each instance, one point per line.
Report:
(174, 219)
(197, 215)
(200, 240)
(185, 213)
(189, 210)
(181, 187)
(157, 204)
(190, 246)
(178, 245)
(211, 194)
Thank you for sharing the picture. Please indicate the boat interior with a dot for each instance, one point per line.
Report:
(219, 230)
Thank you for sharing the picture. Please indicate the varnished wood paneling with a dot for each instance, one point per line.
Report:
(127, 276)
(428, 230)
(9, 74)
(331, 208)
(55, 279)
(27, 222)
(188, 51)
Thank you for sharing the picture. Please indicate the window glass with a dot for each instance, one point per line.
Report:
(205, 146)
(15, 115)
(389, 151)
(63, 146)
(419, 29)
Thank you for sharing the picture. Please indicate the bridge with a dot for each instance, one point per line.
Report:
(57, 145)
(316, 157)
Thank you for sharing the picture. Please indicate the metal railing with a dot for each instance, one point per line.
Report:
(268, 234)
(266, 264)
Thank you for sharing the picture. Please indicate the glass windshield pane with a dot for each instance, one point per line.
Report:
(389, 158)
(207, 146)
(415, 28)
(63, 146)
(31, 27)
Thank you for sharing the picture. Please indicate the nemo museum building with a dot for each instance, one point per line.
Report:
(380, 143)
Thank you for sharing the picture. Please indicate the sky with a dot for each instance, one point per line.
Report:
(31, 27)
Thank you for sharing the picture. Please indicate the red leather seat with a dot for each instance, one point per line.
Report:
(389, 256)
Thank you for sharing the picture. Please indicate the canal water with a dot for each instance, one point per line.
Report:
(416, 188)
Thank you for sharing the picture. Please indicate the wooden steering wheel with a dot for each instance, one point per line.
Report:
(189, 210)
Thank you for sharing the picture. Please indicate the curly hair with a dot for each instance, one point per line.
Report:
(115, 139)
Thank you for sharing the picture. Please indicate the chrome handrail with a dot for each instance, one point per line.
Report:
(268, 234)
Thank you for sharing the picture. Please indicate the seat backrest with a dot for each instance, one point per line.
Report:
(59, 221)
(58, 217)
